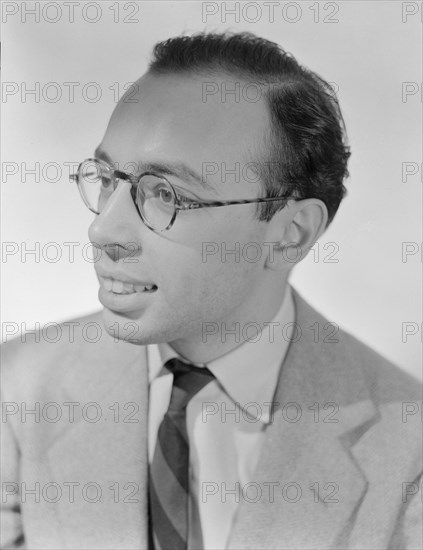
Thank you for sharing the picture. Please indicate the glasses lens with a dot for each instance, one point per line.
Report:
(96, 184)
(156, 202)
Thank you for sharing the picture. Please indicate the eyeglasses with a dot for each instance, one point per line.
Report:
(156, 199)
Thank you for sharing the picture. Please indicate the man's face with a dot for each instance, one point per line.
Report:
(169, 121)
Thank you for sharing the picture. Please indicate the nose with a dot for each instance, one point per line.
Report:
(116, 230)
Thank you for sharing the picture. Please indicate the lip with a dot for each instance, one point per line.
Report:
(119, 276)
(124, 302)
(134, 288)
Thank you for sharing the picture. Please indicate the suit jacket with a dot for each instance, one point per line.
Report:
(340, 466)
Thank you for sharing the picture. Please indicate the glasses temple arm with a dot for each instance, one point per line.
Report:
(193, 205)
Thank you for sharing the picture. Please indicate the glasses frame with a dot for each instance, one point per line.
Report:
(178, 204)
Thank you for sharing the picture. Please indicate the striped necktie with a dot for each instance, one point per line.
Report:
(168, 479)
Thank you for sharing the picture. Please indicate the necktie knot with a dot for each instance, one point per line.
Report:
(187, 381)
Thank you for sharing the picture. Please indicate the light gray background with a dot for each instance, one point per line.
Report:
(373, 49)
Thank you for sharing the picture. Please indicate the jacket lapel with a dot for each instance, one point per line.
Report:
(105, 459)
(321, 409)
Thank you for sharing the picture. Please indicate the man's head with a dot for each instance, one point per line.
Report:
(225, 265)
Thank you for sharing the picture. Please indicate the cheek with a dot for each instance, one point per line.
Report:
(210, 284)
(213, 269)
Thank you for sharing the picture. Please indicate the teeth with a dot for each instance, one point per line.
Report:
(108, 283)
(119, 287)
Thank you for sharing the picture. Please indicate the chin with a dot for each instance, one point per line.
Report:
(130, 328)
(123, 326)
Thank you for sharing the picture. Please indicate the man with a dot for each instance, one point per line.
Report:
(208, 405)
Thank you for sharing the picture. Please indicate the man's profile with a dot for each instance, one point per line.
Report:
(177, 428)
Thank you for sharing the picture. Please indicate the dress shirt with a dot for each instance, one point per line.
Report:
(226, 421)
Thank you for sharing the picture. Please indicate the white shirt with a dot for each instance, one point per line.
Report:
(226, 421)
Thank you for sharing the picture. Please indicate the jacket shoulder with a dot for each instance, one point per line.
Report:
(66, 352)
(54, 341)
(349, 362)
(386, 381)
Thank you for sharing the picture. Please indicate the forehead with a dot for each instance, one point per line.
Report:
(177, 118)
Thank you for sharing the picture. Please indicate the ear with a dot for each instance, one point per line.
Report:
(294, 230)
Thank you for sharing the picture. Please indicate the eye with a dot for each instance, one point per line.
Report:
(165, 195)
(106, 182)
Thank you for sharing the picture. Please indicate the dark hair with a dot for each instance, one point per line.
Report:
(306, 153)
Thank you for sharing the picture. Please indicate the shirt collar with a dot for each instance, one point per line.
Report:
(248, 373)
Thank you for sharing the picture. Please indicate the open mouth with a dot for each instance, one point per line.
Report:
(122, 287)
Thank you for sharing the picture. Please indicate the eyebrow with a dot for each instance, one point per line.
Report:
(178, 169)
